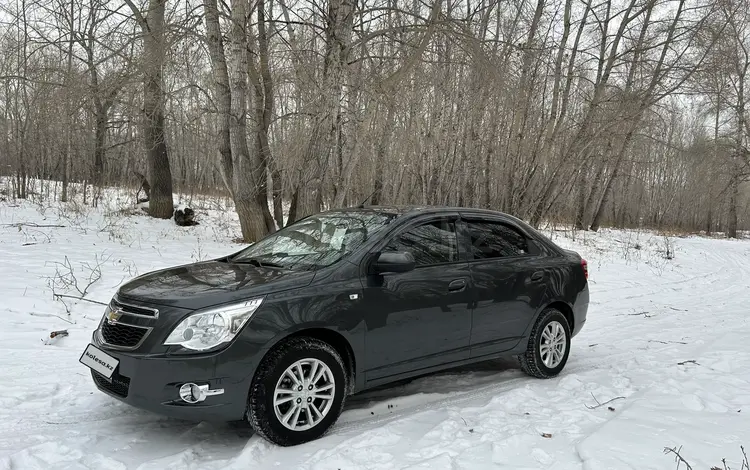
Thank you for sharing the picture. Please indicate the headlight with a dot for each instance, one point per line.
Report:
(208, 329)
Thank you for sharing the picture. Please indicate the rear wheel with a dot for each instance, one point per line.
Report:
(298, 392)
(549, 345)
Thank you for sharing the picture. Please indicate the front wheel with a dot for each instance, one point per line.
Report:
(549, 345)
(298, 392)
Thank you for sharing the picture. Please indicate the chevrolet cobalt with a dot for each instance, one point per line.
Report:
(281, 332)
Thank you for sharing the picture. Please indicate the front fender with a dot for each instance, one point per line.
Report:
(309, 309)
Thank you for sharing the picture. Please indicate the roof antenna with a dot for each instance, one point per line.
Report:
(362, 204)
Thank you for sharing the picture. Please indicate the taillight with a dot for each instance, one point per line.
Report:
(585, 267)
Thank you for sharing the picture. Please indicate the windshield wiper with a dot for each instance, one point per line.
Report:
(256, 262)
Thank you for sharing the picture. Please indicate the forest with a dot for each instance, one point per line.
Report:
(588, 113)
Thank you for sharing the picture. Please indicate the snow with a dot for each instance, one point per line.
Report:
(666, 340)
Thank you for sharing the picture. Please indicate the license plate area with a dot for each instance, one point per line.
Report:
(99, 361)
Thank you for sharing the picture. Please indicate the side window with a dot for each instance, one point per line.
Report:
(430, 243)
(496, 240)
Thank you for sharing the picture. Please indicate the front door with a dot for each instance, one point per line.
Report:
(421, 318)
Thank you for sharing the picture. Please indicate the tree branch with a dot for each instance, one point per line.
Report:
(138, 15)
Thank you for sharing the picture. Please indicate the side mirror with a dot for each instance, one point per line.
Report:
(395, 262)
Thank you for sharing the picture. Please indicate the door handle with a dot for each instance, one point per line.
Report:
(457, 286)
(537, 276)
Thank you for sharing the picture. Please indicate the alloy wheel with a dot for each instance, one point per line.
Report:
(552, 345)
(304, 394)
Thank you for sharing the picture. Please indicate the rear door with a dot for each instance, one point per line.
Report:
(422, 318)
(509, 279)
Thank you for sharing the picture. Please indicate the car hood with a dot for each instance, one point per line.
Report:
(208, 283)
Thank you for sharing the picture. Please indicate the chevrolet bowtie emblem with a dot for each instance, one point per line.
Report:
(114, 316)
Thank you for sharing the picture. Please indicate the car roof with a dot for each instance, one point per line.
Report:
(413, 210)
(409, 211)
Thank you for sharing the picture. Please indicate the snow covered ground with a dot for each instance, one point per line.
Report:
(667, 340)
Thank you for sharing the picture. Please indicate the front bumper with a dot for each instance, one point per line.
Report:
(152, 382)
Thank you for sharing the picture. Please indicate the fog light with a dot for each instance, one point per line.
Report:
(193, 393)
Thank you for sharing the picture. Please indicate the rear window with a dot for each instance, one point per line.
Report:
(496, 240)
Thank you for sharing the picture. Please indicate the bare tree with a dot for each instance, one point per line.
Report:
(222, 92)
(152, 26)
(248, 168)
(319, 149)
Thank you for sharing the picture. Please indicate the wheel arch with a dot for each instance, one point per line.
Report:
(332, 337)
(565, 309)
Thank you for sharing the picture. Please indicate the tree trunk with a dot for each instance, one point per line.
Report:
(100, 137)
(276, 181)
(732, 215)
(293, 207)
(68, 107)
(222, 90)
(277, 191)
(737, 157)
(717, 114)
(264, 110)
(161, 204)
(580, 221)
(248, 168)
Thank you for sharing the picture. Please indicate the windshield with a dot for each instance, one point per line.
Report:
(316, 241)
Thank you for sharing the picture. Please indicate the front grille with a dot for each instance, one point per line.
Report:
(133, 310)
(118, 386)
(118, 334)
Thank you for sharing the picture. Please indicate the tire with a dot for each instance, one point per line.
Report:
(266, 418)
(532, 361)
